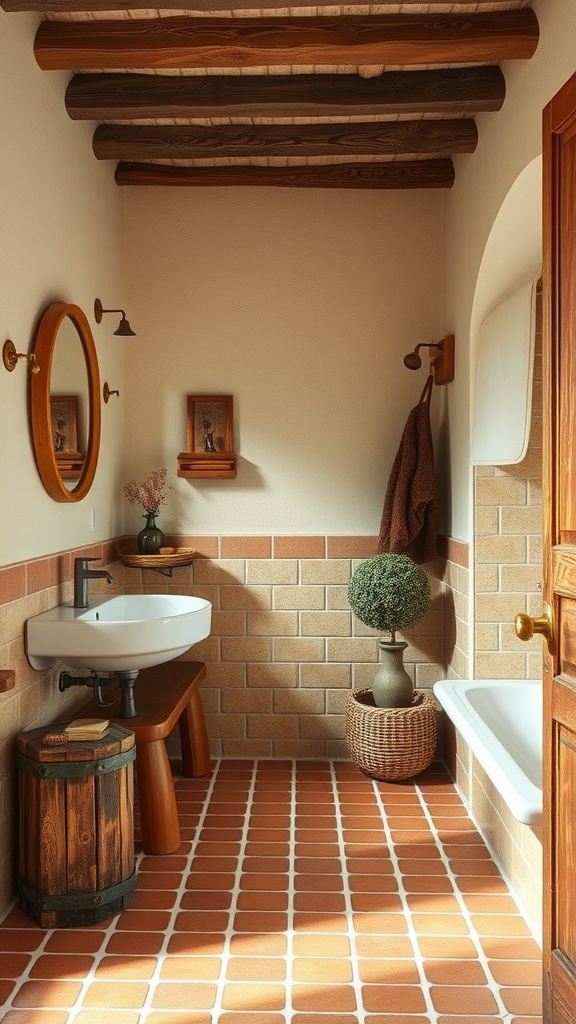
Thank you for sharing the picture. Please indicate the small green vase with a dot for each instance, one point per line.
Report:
(151, 538)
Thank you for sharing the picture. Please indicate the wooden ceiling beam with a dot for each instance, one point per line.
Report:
(194, 142)
(108, 97)
(396, 175)
(182, 42)
(207, 6)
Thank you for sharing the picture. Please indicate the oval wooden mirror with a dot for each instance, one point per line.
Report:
(65, 402)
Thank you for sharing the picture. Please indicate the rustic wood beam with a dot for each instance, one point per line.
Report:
(248, 42)
(189, 142)
(107, 97)
(396, 175)
(207, 6)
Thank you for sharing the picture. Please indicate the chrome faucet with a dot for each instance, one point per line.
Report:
(82, 573)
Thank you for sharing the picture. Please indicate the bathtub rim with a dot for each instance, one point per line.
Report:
(521, 795)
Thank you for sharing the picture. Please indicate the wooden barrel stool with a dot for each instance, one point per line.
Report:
(76, 827)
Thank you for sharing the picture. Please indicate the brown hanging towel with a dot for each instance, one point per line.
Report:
(410, 513)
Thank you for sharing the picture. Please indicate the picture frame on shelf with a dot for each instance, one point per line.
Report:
(209, 423)
(64, 417)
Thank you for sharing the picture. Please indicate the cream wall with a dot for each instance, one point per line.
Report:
(508, 141)
(61, 230)
(301, 304)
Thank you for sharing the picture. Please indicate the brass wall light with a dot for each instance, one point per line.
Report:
(10, 357)
(124, 330)
(106, 392)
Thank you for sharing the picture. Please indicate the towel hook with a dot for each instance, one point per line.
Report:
(441, 359)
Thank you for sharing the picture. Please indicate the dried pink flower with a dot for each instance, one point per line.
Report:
(150, 493)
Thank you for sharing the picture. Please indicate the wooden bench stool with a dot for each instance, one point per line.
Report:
(164, 695)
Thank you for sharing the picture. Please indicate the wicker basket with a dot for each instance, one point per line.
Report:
(391, 744)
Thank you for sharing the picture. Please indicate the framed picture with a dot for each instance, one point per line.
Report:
(209, 423)
(64, 410)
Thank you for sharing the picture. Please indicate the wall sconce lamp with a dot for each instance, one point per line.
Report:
(106, 392)
(10, 358)
(441, 359)
(124, 329)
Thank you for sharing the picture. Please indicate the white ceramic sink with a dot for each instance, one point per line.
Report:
(118, 634)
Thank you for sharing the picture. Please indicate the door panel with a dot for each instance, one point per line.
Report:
(559, 676)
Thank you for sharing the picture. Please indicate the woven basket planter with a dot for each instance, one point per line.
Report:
(391, 744)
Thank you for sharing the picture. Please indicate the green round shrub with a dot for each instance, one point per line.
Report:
(389, 592)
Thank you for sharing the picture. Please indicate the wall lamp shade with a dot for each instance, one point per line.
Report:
(124, 330)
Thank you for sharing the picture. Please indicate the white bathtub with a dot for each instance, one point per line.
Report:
(501, 721)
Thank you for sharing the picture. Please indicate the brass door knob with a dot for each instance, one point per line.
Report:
(525, 626)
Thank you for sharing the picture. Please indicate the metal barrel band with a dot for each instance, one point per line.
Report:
(75, 769)
(76, 900)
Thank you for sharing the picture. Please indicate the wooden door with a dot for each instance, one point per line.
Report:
(559, 320)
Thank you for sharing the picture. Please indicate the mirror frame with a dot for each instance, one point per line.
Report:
(40, 412)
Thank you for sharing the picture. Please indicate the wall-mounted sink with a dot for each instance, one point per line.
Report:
(125, 633)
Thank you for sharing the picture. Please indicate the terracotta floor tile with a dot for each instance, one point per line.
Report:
(268, 835)
(145, 944)
(320, 969)
(383, 902)
(107, 1017)
(423, 850)
(314, 864)
(396, 1018)
(455, 972)
(318, 835)
(197, 943)
(125, 967)
(255, 968)
(415, 866)
(262, 864)
(323, 998)
(262, 901)
(207, 864)
(206, 849)
(269, 821)
(372, 883)
(505, 924)
(320, 1018)
(250, 1017)
(452, 947)
(266, 849)
(380, 924)
(36, 1017)
(483, 884)
(47, 993)
(368, 850)
(115, 995)
(211, 899)
(435, 903)
(264, 882)
(184, 995)
(369, 866)
(201, 920)
(322, 901)
(389, 972)
(267, 921)
(321, 945)
(411, 836)
(61, 965)
(258, 944)
(393, 998)
(162, 864)
(466, 1019)
(13, 965)
(143, 921)
(463, 999)
(16, 918)
(318, 883)
(317, 922)
(522, 1000)
(221, 881)
(253, 996)
(20, 940)
(191, 968)
(382, 946)
(150, 899)
(490, 904)
(516, 972)
(209, 834)
(158, 880)
(472, 865)
(439, 924)
(498, 948)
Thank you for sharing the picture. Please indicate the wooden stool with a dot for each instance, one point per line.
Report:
(164, 695)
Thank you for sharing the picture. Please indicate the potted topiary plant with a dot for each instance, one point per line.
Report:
(391, 728)
(390, 592)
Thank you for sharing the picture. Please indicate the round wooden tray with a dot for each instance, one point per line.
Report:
(158, 561)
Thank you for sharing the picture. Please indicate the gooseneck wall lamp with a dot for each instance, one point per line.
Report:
(124, 330)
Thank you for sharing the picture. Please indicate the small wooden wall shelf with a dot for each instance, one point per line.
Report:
(163, 564)
(210, 465)
(69, 464)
